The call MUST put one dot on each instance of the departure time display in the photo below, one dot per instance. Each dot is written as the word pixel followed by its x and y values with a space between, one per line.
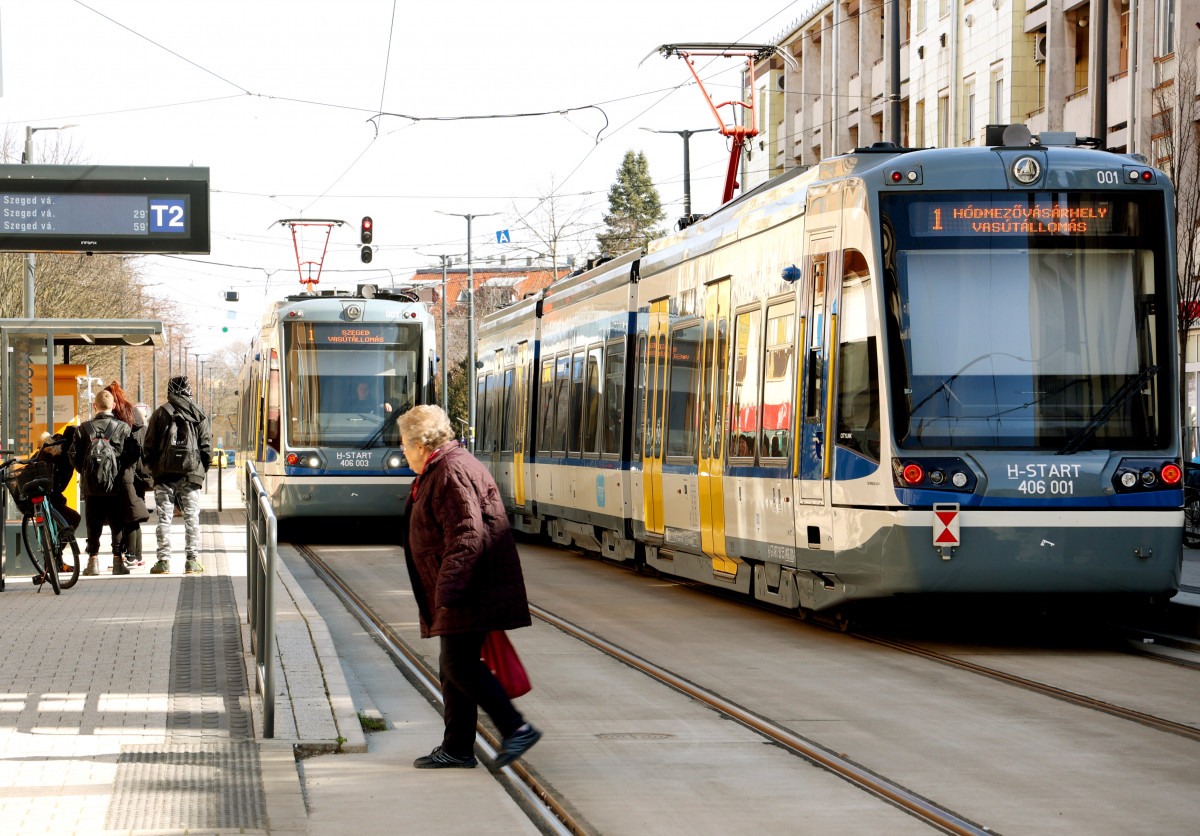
pixel 82 215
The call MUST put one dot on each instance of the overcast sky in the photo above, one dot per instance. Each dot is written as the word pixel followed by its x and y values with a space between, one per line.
pixel 280 99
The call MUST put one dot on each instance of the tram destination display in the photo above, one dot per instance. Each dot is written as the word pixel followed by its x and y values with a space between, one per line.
pixel 1044 215
pixel 107 209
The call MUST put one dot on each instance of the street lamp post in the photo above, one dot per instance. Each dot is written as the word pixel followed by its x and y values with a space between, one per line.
pixel 30 261
pixel 471 406
pixel 687 164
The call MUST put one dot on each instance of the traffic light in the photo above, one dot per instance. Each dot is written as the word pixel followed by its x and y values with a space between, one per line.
pixel 366 255
pixel 367 231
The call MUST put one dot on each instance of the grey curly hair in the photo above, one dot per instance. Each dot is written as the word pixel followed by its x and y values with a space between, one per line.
pixel 426 425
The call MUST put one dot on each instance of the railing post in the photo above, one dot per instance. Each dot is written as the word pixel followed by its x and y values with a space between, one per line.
pixel 262 561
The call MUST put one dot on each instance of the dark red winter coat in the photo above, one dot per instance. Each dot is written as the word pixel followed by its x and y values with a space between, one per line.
pixel 461 556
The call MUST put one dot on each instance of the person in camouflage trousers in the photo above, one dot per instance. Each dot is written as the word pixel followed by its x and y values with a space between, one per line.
pixel 170 489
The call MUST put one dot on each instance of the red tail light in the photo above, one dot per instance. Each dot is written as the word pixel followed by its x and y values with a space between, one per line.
pixel 292 458
pixel 37 500
pixel 1171 474
pixel 913 474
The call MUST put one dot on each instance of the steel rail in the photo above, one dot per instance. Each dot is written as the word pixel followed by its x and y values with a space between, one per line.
pixel 1169 726
pixel 550 815
pixel 917 806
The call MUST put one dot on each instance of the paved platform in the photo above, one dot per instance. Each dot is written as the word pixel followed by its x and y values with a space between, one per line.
pixel 128 705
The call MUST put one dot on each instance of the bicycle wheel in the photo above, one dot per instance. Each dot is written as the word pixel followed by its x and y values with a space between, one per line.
pixel 68 562
pixel 48 568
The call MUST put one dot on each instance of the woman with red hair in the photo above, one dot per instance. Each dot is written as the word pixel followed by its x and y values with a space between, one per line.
pixel 136 477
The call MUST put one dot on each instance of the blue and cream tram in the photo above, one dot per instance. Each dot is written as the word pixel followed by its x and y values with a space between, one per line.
pixel 323 384
pixel 939 371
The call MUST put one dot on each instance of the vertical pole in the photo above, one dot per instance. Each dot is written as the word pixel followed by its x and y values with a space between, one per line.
pixel 1133 143
pixel 687 179
pixel 1101 88
pixel 122 367
pixel 471 405
pixel 30 261
pixel 154 379
pixel 445 357
pixel 893 13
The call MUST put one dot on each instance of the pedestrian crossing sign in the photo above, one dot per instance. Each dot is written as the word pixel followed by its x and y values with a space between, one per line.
pixel 502 236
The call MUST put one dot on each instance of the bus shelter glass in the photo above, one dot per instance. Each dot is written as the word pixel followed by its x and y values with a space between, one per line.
pixel 347 384
pixel 1028 322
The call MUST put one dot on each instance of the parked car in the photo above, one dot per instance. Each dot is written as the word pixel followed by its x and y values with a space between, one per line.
pixel 230 459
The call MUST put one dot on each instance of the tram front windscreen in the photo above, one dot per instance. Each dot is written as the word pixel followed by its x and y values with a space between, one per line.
pixel 348 383
pixel 1035 321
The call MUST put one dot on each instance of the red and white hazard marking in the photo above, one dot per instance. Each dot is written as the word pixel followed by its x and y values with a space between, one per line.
pixel 945 525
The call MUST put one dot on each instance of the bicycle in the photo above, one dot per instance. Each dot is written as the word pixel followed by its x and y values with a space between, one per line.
pixel 44 531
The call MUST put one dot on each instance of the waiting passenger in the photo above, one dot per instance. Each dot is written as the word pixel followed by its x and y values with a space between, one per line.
pixel 101 479
pixel 178 476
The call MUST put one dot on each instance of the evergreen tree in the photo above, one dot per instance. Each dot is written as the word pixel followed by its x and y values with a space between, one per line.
pixel 634 208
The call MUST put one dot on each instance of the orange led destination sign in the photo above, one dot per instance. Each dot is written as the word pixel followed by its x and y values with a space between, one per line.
pixel 1081 217
pixel 353 334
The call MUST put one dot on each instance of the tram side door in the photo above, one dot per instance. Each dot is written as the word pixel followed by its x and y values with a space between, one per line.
pixel 653 409
pixel 520 415
pixel 814 454
pixel 714 367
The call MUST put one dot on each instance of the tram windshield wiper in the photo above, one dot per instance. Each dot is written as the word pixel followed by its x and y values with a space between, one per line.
pixel 390 419
pixel 1105 412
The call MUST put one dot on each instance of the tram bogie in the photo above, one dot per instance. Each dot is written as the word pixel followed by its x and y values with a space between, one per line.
pixel 940 371
pixel 323 384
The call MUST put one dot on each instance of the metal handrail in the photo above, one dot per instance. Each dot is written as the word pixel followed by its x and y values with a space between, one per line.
pixel 262 563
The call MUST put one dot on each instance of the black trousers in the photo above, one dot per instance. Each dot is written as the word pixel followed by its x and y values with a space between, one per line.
pixel 467 686
pixel 100 511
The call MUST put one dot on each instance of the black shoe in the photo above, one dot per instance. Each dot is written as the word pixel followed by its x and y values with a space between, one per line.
pixel 438 759
pixel 515 745
pixel 119 567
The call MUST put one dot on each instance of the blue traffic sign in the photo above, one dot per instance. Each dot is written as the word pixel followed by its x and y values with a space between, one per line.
pixel 502 236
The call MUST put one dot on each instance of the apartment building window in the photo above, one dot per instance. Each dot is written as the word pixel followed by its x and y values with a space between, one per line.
pixel 996 106
pixel 920 124
pixel 920 13
pixel 968 113
pixel 943 8
pixel 1164 33
pixel 943 127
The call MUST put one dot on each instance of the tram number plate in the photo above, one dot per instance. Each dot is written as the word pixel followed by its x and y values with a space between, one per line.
pixel 354 459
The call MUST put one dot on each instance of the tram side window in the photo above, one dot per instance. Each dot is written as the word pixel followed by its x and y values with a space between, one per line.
pixel 614 395
pixel 481 411
pixel 639 398
pixel 591 401
pixel 274 396
pixel 743 428
pixel 858 367
pixel 493 418
pixel 562 380
pixel 576 426
pixel 778 387
pixel 546 407
pixel 509 398
pixel 683 423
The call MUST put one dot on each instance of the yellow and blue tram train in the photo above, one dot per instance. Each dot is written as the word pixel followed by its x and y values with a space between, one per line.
pixel 321 390
pixel 929 371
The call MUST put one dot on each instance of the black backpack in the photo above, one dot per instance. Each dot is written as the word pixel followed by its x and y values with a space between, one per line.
pixel 181 446
pixel 102 465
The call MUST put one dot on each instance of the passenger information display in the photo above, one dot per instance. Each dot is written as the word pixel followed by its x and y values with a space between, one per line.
pixel 110 209
pixel 93 214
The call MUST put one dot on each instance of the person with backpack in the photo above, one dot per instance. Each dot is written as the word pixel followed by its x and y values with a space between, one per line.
pixel 102 449
pixel 178 451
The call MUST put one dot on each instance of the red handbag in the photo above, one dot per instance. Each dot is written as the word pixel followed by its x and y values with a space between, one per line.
pixel 499 655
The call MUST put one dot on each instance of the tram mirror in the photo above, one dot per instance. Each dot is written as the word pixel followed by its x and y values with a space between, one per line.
pixel 231 296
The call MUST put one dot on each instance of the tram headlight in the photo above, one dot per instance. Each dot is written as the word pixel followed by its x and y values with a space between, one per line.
pixel 936 477
pixel 313 461
pixel 1128 478
pixel 913 474
pixel 1149 477
pixel 935 473
pixel 394 461
pixel 959 479
pixel 1146 474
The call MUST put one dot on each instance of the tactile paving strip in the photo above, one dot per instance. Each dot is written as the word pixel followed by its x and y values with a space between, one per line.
pixel 209 696
pixel 198 786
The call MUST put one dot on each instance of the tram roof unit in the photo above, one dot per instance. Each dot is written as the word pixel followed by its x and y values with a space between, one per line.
pixel 514 312
pixel 570 289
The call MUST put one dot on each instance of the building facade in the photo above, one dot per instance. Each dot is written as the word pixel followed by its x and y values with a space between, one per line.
pixel 1110 69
